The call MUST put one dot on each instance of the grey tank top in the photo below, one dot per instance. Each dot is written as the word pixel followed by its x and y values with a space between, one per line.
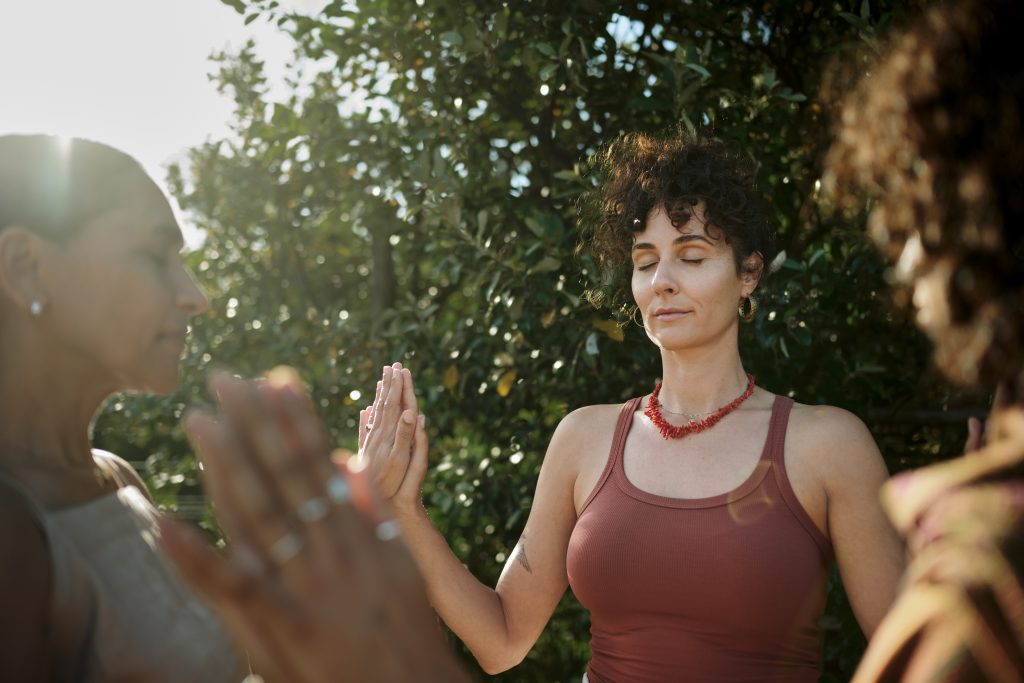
pixel 118 610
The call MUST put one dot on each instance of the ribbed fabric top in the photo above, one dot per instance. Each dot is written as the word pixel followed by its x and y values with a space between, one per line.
pixel 728 588
pixel 118 611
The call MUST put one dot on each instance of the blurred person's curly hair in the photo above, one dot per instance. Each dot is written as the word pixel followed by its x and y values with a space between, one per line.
pixel 637 173
pixel 933 134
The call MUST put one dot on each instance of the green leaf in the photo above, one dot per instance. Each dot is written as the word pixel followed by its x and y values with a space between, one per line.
pixel 791 96
pixel 534 225
pixel 699 69
pixel 546 49
pixel 237 5
pixel 547 71
pixel 547 264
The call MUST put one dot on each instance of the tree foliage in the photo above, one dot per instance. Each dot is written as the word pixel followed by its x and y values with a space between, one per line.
pixel 413 199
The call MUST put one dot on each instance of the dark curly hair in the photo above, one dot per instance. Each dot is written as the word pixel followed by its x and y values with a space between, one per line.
pixel 637 173
pixel 935 136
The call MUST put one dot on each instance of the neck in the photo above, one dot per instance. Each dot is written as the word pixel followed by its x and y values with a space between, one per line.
pixel 701 380
pixel 47 403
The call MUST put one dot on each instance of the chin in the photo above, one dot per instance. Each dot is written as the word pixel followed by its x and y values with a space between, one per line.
pixel 670 342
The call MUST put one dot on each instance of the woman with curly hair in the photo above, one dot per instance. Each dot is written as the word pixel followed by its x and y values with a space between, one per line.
pixel 935 136
pixel 696 523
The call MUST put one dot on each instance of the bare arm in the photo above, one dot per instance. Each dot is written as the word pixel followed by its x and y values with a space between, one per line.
pixel 868 550
pixel 500 625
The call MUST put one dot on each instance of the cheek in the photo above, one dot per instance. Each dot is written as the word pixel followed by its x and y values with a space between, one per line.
pixel 718 287
pixel 634 286
pixel 113 309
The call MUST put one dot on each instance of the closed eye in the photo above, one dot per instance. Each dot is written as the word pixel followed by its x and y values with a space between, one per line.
pixel 646 266
pixel 694 261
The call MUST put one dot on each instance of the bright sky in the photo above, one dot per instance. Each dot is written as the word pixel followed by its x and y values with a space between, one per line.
pixel 130 73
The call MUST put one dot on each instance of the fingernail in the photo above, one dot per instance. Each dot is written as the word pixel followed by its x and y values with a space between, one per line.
pixel 282 376
pixel 408 418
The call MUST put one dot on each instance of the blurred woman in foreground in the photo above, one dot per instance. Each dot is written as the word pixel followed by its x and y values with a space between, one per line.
pixel 935 135
pixel 94 299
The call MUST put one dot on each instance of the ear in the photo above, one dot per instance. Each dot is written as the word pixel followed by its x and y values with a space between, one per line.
pixel 20 267
pixel 751 272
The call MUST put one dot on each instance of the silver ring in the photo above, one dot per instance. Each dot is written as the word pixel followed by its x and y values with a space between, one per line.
pixel 388 530
pixel 369 426
pixel 285 548
pixel 338 489
pixel 313 510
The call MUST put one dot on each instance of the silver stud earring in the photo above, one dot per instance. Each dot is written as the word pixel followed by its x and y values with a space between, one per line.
pixel 36 308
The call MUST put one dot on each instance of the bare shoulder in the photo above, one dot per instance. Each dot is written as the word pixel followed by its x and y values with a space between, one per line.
pixel 585 429
pixel 122 469
pixel 581 445
pixel 582 422
pixel 833 442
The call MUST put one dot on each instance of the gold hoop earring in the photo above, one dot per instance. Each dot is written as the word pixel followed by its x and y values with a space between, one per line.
pixel 752 309
pixel 639 323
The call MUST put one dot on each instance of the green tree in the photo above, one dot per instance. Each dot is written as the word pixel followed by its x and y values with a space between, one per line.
pixel 413 199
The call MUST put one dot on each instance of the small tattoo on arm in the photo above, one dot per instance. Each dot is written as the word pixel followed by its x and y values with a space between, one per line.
pixel 520 551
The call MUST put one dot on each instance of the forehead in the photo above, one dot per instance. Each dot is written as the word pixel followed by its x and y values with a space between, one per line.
pixel 659 226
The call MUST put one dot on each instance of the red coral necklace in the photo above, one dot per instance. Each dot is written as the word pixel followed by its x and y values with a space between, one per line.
pixel 668 431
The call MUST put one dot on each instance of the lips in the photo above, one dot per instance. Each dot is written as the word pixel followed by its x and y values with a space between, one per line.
pixel 669 314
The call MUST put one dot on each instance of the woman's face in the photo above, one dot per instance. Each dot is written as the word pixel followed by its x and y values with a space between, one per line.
pixel 118 296
pixel 685 282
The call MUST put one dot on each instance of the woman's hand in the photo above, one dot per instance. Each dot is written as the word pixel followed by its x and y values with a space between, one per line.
pixel 401 467
pixel 318 586
pixel 386 429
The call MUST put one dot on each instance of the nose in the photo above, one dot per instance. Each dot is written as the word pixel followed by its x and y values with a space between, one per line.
pixel 190 297
pixel 664 281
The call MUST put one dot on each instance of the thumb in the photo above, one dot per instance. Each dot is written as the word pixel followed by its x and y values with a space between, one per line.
pixel 403 438
pixel 418 464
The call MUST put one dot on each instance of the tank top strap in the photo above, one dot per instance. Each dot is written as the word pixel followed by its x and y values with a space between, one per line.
pixel 777 454
pixel 622 425
pixel 776 440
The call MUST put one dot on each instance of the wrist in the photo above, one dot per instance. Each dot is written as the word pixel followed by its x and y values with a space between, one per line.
pixel 409 511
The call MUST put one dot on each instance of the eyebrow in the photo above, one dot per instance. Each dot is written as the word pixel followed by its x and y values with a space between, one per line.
pixel 682 239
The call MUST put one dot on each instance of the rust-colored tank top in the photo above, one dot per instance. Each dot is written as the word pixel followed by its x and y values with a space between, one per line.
pixel 726 588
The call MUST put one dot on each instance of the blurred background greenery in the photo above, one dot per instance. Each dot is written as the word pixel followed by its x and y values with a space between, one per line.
pixel 413 197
